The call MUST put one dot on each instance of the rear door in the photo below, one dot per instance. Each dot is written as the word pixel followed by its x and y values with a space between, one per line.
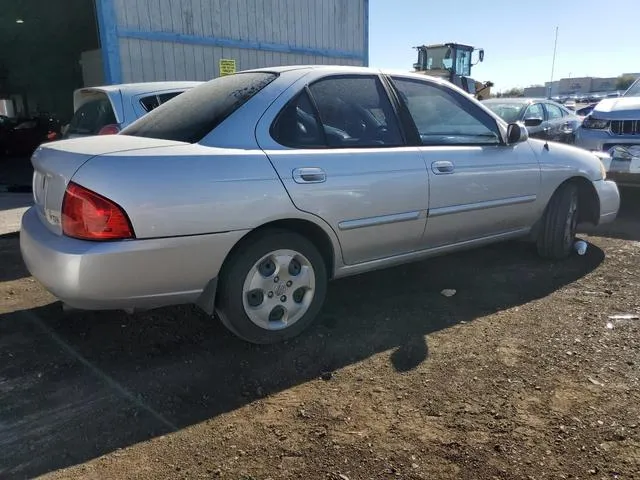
pixel 479 187
pixel 556 122
pixel 337 145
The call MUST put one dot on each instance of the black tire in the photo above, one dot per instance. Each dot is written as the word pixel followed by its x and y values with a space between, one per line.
pixel 559 224
pixel 229 298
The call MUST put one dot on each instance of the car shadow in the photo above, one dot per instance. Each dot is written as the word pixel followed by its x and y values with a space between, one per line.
pixel 12 201
pixel 77 387
pixel 16 172
pixel 11 265
pixel 626 226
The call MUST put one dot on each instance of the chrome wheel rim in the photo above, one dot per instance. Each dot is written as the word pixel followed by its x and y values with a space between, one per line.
pixel 571 221
pixel 278 289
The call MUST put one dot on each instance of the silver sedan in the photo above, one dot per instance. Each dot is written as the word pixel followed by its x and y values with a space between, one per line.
pixel 248 193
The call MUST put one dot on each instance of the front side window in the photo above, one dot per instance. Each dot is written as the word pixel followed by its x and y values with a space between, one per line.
pixel 553 111
pixel 534 111
pixel 634 90
pixel 463 61
pixel 195 113
pixel 444 118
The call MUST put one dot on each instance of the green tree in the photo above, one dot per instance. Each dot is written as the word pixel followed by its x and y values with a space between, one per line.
pixel 624 81
pixel 513 92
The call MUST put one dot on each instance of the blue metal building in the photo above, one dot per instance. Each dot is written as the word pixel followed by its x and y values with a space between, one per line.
pixel 149 40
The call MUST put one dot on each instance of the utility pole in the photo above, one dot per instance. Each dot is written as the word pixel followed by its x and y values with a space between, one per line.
pixel 553 62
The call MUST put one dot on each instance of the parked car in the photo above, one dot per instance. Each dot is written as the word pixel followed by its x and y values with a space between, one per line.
pixel 247 194
pixel 108 109
pixel 21 136
pixel 613 130
pixel 544 119
pixel 6 126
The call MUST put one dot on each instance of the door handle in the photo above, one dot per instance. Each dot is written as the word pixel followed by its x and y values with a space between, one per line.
pixel 442 167
pixel 309 175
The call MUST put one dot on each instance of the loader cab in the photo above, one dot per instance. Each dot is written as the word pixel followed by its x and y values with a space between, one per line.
pixel 446 60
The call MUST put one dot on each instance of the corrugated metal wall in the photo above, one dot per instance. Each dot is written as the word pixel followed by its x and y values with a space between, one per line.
pixel 150 40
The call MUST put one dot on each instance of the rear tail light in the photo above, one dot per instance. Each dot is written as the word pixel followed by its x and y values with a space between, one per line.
pixel 89 216
pixel 109 130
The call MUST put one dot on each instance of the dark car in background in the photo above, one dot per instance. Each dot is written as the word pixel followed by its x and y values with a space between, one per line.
pixel 21 136
pixel 543 118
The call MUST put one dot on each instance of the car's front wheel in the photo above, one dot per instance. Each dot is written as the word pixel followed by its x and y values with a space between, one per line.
pixel 559 223
pixel 272 287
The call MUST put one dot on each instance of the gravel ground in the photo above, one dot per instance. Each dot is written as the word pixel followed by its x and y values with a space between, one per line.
pixel 521 374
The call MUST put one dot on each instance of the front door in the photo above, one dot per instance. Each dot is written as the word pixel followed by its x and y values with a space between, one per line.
pixel 537 111
pixel 479 187
pixel 338 148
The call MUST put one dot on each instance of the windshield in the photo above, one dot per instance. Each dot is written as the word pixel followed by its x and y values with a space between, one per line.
pixel 92 116
pixel 193 114
pixel 509 112
pixel 436 58
pixel 634 90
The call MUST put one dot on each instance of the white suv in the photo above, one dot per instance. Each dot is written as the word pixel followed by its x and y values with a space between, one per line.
pixel 613 130
pixel 108 109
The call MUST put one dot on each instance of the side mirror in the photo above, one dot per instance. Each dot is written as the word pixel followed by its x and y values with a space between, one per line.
pixel 481 55
pixel 516 133
pixel 532 122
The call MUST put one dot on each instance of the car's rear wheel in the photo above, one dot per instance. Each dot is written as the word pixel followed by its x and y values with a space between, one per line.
pixel 559 223
pixel 272 287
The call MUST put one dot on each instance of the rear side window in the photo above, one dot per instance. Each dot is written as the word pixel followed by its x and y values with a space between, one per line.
pixel 193 114
pixel 91 117
pixel 298 126
pixel 356 112
pixel 553 111
pixel 352 112
pixel 152 102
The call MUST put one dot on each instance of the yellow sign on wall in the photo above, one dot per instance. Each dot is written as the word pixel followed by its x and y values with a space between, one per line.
pixel 227 66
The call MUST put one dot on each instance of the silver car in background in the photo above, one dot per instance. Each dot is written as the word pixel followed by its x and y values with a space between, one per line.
pixel 106 110
pixel 247 194
pixel 613 130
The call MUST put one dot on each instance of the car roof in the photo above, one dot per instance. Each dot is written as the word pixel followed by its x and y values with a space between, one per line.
pixel 349 69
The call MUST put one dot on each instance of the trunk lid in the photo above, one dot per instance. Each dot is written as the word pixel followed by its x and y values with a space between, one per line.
pixel 54 165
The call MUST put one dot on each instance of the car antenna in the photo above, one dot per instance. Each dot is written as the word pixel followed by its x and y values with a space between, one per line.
pixel 553 67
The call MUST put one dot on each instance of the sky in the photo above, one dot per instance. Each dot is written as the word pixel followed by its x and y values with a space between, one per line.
pixel 595 38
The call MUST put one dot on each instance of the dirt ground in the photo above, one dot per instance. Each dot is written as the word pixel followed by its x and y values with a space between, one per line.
pixel 520 375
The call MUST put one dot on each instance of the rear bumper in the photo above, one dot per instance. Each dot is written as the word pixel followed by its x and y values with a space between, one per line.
pixel 609 197
pixel 122 275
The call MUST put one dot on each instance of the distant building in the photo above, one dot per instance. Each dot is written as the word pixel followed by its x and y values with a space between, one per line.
pixel 536 91
pixel 582 85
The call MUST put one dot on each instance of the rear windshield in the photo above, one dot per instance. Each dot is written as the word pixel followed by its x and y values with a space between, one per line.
pixel 193 114
pixel 91 117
